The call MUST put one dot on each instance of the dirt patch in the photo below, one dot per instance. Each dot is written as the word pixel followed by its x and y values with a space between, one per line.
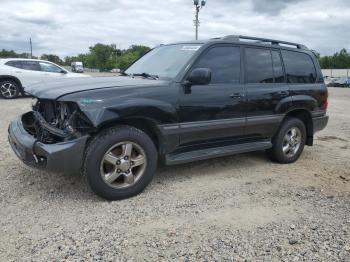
pixel 330 138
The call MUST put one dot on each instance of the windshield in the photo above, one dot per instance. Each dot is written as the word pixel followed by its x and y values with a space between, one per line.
pixel 164 61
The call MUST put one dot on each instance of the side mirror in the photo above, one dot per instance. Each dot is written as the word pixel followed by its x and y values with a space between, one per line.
pixel 199 76
pixel 63 71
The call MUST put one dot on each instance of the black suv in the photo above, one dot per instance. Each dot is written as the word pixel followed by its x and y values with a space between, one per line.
pixel 178 103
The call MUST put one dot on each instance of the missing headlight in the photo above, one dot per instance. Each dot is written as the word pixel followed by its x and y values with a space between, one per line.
pixel 59 121
pixel 34 103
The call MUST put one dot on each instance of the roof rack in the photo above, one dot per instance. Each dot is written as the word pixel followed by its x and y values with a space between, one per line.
pixel 263 40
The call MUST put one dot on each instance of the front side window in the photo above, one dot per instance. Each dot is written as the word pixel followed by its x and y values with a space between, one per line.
pixel 258 65
pixel 30 65
pixel 164 61
pixel 47 67
pixel 299 67
pixel 224 63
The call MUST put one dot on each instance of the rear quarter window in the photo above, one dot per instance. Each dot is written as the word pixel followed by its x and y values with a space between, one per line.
pixel 300 68
pixel 16 64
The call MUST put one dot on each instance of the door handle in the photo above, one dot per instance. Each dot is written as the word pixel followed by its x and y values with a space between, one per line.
pixel 236 95
pixel 18 71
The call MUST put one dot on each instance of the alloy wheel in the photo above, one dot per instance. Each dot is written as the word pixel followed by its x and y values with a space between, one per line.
pixel 123 164
pixel 8 90
pixel 291 142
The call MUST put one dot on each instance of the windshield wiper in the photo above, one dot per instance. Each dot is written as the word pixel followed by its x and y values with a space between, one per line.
pixel 147 75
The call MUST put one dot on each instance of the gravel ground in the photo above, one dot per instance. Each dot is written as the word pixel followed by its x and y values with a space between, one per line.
pixel 237 208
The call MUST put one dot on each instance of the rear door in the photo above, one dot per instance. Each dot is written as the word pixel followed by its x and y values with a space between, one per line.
pixel 267 91
pixel 214 111
pixel 305 81
pixel 29 72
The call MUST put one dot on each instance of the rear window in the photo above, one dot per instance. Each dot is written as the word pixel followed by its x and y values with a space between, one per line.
pixel 258 65
pixel 30 65
pixel 299 67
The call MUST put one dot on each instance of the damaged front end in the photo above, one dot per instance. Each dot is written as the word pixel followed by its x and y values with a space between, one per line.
pixel 53 136
pixel 53 121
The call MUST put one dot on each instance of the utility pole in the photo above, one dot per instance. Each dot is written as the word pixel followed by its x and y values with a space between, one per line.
pixel 196 20
pixel 31 49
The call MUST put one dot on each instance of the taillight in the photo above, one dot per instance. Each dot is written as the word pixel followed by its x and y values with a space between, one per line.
pixel 326 102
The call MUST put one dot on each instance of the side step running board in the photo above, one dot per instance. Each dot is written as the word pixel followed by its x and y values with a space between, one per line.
pixel 180 158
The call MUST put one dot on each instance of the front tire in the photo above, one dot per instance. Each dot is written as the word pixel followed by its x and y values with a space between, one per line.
pixel 288 144
pixel 9 89
pixel 120 162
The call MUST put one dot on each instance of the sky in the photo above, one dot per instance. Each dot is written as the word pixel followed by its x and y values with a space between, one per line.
pixel 69 27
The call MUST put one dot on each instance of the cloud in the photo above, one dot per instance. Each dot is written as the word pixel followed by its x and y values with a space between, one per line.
pixel 271 7
pixel 70 27
pixel 40 21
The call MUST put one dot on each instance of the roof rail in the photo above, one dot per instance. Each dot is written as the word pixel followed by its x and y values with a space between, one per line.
pixel 263 40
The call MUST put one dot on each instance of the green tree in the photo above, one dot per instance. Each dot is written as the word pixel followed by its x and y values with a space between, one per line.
pixel 12 54
pixel 102 56
pixel 339 60
pixel 52 58
pixel 131 54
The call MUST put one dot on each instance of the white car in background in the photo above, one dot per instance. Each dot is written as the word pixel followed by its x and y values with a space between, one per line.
pixel 18 73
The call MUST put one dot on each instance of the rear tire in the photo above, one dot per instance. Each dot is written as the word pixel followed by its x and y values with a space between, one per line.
pixel 9 89
pixel 120 162
pixel 288 144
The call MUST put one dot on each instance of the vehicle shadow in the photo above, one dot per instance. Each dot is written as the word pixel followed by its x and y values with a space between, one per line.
pixel 17 98
pixel 75 187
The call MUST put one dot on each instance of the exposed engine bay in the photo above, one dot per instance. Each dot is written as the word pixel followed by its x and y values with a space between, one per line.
pixel 53 121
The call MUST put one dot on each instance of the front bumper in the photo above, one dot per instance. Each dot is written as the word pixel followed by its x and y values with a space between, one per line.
pixel 63 157
pixel 319 123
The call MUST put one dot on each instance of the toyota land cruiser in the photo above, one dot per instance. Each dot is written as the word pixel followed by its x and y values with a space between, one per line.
pixel 178 103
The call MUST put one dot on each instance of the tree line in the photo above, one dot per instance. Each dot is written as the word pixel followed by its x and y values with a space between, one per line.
pixel 340 60
pixel 106 57
pixel 100 56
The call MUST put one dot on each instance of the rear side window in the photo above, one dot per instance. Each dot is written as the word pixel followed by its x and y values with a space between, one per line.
pixel 30 65
pixel 224 62
pixel 258 65
pixel 14 63
pixel 277 67
pixel 300 68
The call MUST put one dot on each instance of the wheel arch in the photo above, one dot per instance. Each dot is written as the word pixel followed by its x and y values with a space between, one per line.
pixel 146 125
pixel 13 78
pixel 305 116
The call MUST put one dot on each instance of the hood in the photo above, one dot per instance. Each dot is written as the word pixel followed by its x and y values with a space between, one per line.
pixel 58 88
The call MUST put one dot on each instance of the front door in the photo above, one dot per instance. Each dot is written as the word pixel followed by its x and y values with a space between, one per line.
pixel 214 111
pixel 50 71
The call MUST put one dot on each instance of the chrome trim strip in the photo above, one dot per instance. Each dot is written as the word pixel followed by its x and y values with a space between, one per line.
pixel 178 128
